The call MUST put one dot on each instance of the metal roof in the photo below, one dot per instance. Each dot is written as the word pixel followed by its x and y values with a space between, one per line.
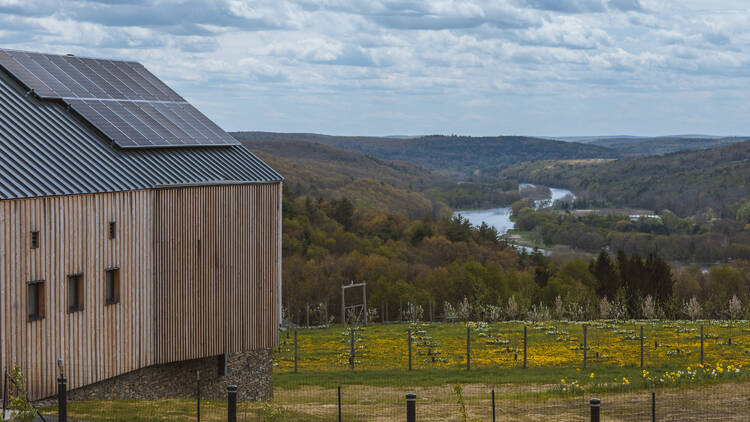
pixel 46 150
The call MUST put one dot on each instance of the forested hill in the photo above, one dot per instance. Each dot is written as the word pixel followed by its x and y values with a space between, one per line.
pixel 456 156
pixel 321 171
pixel 687 183
pixel 661 145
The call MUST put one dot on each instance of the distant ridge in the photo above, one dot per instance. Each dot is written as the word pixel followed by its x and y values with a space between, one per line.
pixel 461 157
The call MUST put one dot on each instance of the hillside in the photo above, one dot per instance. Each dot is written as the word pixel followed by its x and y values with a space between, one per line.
pixel 460 157
pixel 661 145
pixel 330 173
pixel 686 183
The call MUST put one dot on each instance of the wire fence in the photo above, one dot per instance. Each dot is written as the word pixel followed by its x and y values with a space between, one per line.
pixel 508 371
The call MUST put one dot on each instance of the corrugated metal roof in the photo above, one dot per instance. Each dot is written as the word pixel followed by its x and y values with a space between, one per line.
pixel 45 150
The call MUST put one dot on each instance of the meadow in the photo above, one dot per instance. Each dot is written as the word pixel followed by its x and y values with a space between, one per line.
pixel 555 385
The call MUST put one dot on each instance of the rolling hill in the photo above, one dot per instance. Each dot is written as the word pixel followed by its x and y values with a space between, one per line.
pixel 661 145
pixel 713 181
pixel 460 157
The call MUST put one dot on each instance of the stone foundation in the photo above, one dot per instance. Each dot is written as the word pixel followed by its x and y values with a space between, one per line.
pixel 250 371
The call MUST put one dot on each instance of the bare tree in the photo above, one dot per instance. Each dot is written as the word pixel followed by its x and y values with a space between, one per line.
pixel 605 308
pixel 464 309
pixel 735 308
pixel 648 307
pixel 559 308
pixel 512 309
pixel 692 308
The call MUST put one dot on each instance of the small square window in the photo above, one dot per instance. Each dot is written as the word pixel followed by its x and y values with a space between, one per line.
pixel 35 300
pixel 112 286
pixel 112 229
pixel 35 239
pixel 75 293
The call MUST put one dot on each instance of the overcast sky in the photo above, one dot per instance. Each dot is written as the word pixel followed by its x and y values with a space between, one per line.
pixel 403 67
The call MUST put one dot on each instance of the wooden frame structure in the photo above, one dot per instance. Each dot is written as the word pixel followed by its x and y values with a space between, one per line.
pixel 359 311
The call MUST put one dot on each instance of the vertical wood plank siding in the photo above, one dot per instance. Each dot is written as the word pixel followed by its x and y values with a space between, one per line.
pixel 217 271
pixel 177 300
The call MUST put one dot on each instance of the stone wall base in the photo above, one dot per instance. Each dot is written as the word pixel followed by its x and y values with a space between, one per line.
pixel 250 371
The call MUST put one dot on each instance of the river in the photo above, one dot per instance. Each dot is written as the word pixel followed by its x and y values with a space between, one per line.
pixel 499 218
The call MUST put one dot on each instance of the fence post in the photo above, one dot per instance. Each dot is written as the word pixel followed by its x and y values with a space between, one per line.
pixel 198 396
pixel 382 311
pixel 524 347
pixel 296 351
pixel 5 392
pixel 641 346
pixel 701 344
pixel 585 345
pixel 307 315
pixel 468 348
pixel 351 347
pixel 653 406
pixel 339 401
pixel 232 403
pixel 399 311
pixel 386 312
pixel 62 399
pixel 411 407
pixel 493 403
pixel 595 409
pixel 408 339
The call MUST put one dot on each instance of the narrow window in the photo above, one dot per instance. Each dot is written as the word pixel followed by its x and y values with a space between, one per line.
pixel 36 300
pixel 112 229
pixel 112 286
pixel 75 293
pixel 35 239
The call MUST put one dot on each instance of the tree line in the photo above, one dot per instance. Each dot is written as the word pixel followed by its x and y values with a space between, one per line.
pixel 449 263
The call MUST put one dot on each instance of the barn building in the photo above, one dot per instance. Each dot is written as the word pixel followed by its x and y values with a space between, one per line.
pixel 140 243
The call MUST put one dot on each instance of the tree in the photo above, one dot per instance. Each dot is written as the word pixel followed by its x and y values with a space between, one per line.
pixel 605 274
pixel 344 212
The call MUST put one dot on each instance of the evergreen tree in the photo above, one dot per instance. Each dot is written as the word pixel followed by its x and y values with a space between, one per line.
pixel 605 273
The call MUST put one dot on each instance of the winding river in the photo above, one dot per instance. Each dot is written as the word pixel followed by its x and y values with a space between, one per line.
pixel 499 218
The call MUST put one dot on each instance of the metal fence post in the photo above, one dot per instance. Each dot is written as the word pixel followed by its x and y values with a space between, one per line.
pixel 351 347
pixel 653 406
pixel 296 351
pixel 701 344
pixel 198 396
pixel 232 403
pixel 411 407
pixel 641 346
pixel 468 348
pixel 595 409
pixel 5 392
pixel 408 339
pixel 62 399
pixel 585 345
pixel 524 347
pixel 493 403
pixel 339 401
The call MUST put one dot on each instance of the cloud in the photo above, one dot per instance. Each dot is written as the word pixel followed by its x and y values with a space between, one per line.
pixel 427 57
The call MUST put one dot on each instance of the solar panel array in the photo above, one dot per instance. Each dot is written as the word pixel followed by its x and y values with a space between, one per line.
pixel 123 100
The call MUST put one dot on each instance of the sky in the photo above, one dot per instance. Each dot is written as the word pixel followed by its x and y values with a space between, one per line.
pixel 411 67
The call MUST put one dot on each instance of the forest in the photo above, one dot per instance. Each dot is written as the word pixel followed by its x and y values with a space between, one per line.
pixel 450 263
pixel 460 157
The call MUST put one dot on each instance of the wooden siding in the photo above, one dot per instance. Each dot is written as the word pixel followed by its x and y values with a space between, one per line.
pixel 176 301
pixel 217 278
pixel 100 341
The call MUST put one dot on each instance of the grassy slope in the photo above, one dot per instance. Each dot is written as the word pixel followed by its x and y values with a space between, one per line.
pixel 457 156
pixel 685 182
pixel 328 172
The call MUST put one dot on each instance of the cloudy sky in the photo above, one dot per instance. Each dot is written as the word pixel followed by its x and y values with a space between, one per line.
pixel 403 67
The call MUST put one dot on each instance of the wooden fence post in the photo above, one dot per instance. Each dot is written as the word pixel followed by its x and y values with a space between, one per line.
pixel 641 346
pixel 701 344
pixel 408 338
pixel 468 348
pixel 296 356
pixel 585 345
pixel 524 346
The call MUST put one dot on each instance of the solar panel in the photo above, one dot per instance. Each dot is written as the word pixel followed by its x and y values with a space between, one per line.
pixel 123 100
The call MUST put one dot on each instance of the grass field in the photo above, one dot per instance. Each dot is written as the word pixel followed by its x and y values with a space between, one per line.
pixel 555 386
